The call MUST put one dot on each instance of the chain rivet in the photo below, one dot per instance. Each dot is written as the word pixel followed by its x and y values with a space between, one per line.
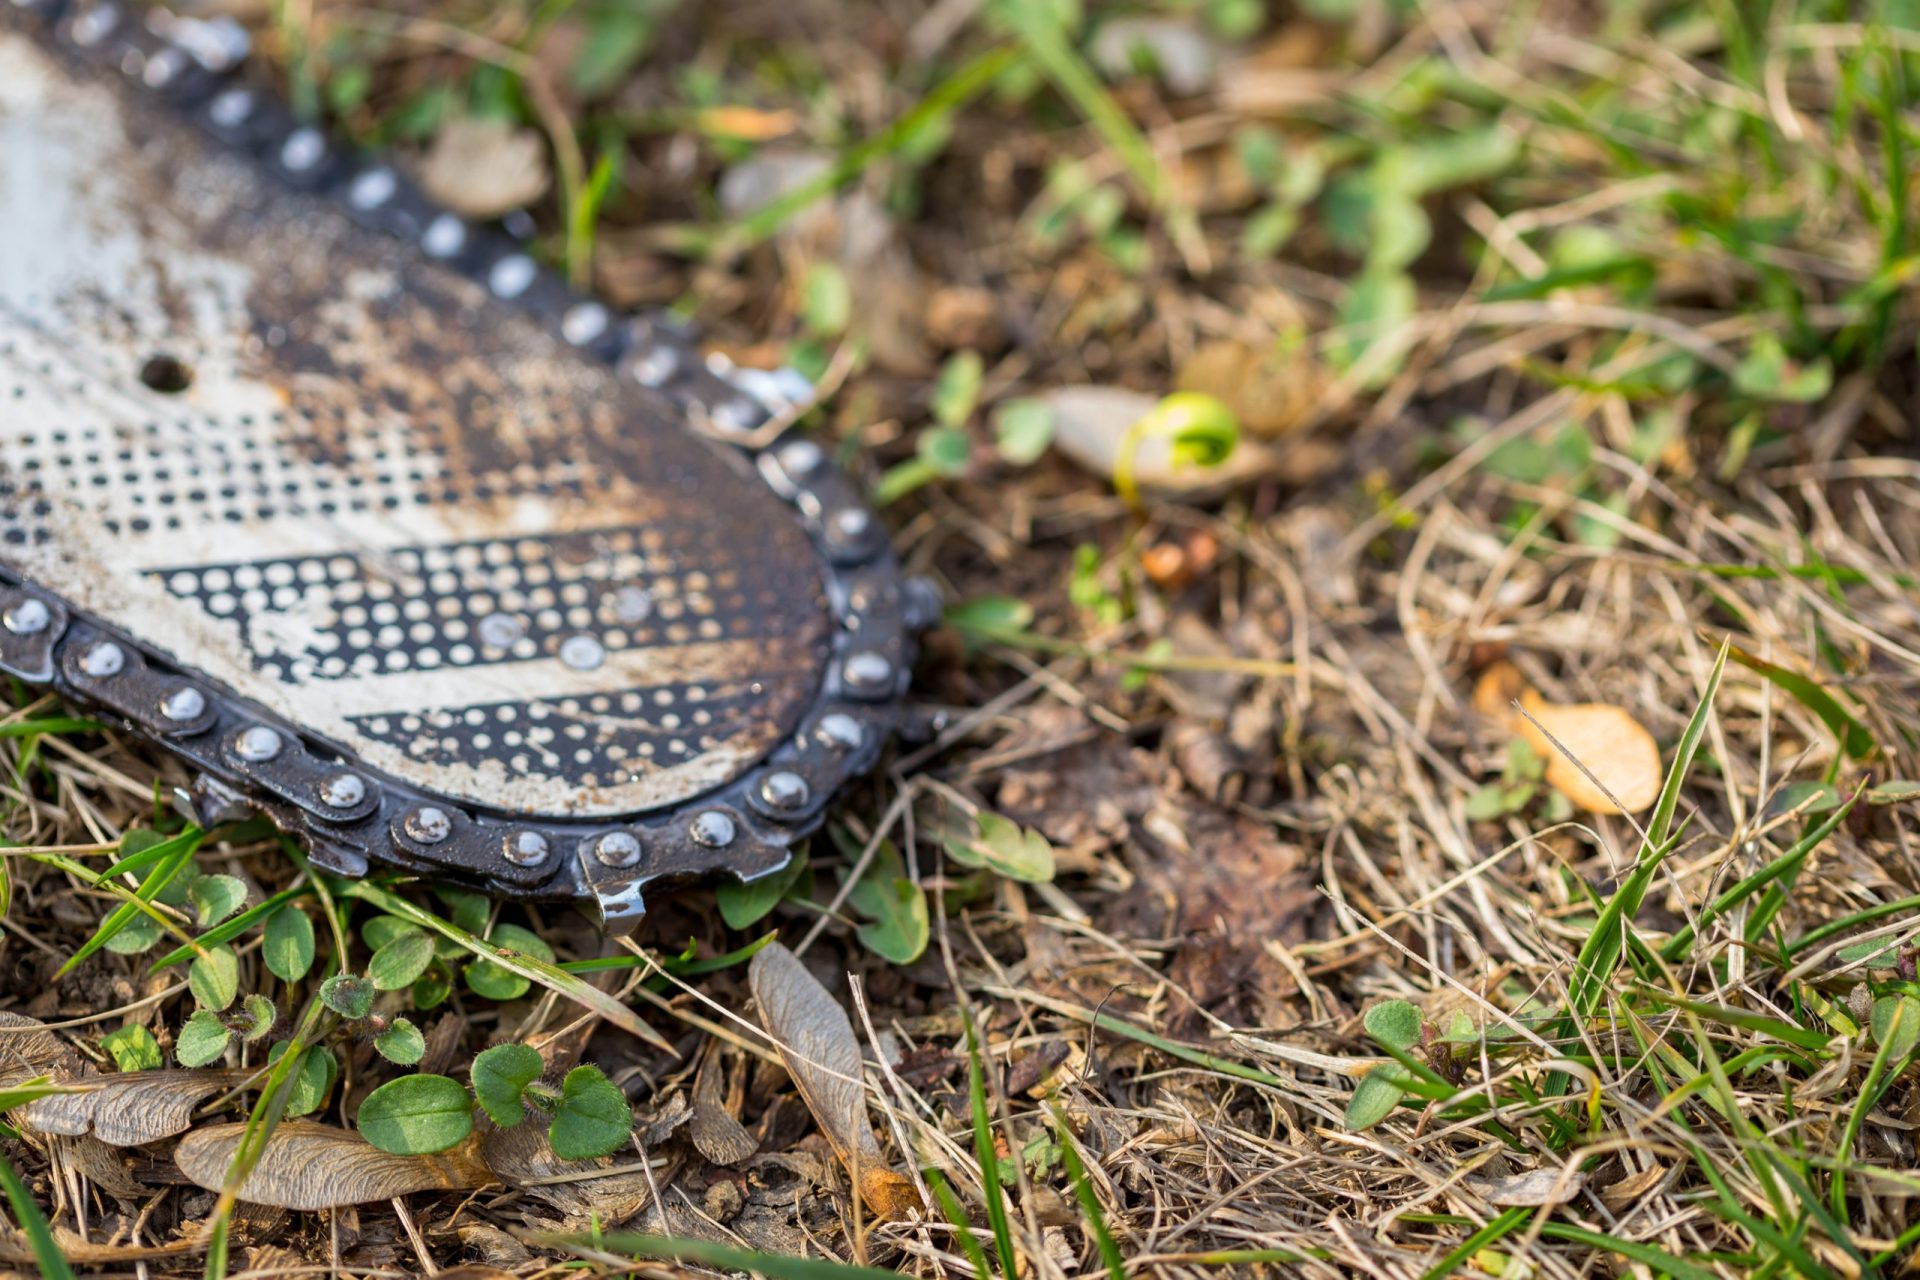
pixel 231 109
pixel 372 189
pixel 257 743
pixel 445 237
pixel 617 849
pixel 512 275
pixel 95 25
pixel 343 790
pixel 428 825
pixel 713 829
pixel 103 659
pixel 736 413
pixel 163 68
pixel 656 368
pixel 525 848
pixel 584 323
pixel 850 524
pixel 840 730
pixel 303 150
pixel 184 704
pixel 785 790
pixel 29 617
pixel 801 457
pixel 868 672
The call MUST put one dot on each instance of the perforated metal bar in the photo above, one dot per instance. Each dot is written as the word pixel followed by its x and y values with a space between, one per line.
pixel 381 528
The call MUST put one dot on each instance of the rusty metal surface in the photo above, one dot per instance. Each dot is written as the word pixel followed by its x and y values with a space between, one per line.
pixel 398 503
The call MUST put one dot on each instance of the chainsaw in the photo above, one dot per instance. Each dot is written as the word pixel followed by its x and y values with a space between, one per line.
pixel 379 527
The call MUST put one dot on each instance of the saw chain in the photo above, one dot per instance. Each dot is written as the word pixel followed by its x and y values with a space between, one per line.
pixel 382 529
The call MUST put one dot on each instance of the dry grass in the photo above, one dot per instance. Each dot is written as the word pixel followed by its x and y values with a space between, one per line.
pixel 1245 724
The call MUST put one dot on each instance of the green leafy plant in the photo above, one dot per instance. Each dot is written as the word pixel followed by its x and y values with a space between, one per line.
pixel 348 994
pixel 287 948
pixel 133 1048
pixel 214 977
pixel 202 1039
pixel 416 1115
pixel 1022 429
pixel 1394 1024
pixel 207 1032
pixel 1522 781
pixel 945 450
pixel 1005 847
pixel 898 925
pixel 401 961
pixel 494 980
pixel 313 1077
pixel 587 1114
pixel 743 903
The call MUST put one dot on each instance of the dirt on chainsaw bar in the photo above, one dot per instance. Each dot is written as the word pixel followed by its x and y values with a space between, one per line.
pixel 1471 835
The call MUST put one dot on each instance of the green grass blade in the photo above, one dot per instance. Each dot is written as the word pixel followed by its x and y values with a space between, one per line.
pixel 1503 1225
pixel 1600 954
pixel 724 1257
pixel 261 1122
pixel 1096 1218
pixel 1835 927
pixel 1852 735
pixel 672 964
pixel 965 84
pixel 228 930
pixel 1045 40
pixel 1659 1261
pixel 985 1152
pixel 1251 1257
pixel 46 1250
pixel 50 724
pixel 1742 1018
pixel 19 1095
pixel 135 863
pixel 539 972
pixel 1678 945
pixel 962 1228
pixel 1598 957
pixel 179 857
pixel 1870 1092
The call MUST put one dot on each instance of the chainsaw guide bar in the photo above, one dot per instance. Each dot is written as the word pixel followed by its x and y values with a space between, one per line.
pixel 380 528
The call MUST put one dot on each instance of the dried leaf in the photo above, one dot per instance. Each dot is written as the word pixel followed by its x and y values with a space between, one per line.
pixel 482 168
pixel 28 1049
pixel 308 1166
pixel 99 1164
pixel 129 1109
pixel 719 1136
pixel 1610 743
pixel 816 1042
pixel 1271 392
pixel 1630 1189
pixel 610 1190
pixel 1497 689
pixel 1530 1190
pixel 1613 746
